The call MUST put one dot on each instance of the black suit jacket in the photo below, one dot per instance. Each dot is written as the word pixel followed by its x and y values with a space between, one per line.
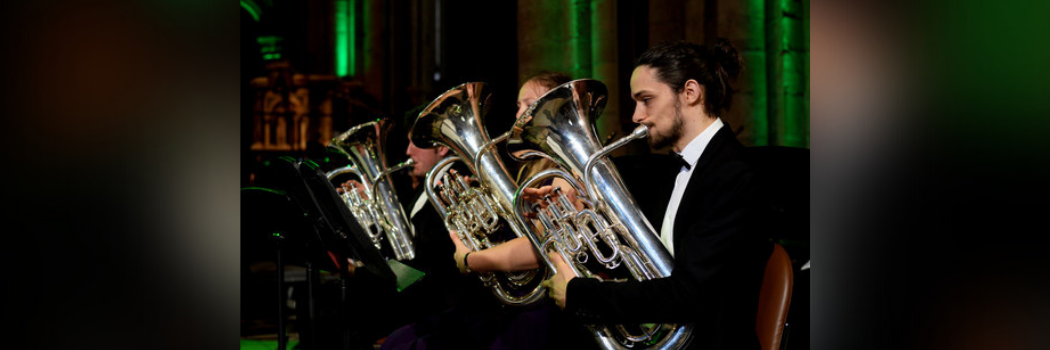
pixel 443 287
pixel 719 260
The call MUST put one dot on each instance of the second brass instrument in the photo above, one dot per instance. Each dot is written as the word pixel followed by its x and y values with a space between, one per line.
pixel 477 212
pixel 379 211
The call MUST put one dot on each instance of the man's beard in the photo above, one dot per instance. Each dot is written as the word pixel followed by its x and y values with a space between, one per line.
pixel 660 141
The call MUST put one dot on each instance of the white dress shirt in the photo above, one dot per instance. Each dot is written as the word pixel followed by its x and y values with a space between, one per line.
pixel 420 202
pixel 691 153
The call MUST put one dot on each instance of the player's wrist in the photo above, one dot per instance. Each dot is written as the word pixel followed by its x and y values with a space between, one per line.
pixel 466 265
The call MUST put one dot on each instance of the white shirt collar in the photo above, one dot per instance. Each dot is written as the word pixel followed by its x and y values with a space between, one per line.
pixel 691 153
pixel 420 202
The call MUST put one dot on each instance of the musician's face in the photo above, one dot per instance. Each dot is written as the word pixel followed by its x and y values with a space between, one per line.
pixel 528 94
pixel 657 107
pixel 425 158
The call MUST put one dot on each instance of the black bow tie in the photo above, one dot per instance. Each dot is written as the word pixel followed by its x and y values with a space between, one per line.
pixel 679 161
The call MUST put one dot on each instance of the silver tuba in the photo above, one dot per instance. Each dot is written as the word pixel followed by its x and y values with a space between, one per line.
pixel 610 237
pixel 379 212
pixel 474 211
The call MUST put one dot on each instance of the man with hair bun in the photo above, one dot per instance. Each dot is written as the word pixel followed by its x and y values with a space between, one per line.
pixel 710 225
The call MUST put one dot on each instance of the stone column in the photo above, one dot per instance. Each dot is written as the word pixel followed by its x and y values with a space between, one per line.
pixel 541 38
pixel 605 66
pixel 695 21
pixel 666 21
pixel 786 74
pixel 373 51
pixel 582 43
pixel 796 73
pixel 742 22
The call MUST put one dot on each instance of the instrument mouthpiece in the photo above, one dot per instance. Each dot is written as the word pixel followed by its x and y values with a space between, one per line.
pixel 640 132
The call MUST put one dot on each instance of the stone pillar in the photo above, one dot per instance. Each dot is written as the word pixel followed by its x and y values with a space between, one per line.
pixel 796 73
pixel 774 31
pixel 541 38
pixel 581 43
pixel 666 21
pixel 787 74
pixel 320 38
pixel 679 20
pixel 742 22
pixel 605 66
pixel 578 43
pixel 374 52
pixel 422 54
pixel 695 21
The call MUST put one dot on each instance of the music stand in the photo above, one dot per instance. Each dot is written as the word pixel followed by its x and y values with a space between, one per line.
pixel 275 220
pixel 338 232
pixel 335 226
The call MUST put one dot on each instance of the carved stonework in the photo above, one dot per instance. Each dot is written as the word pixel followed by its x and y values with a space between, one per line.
pixel 292 110
pixel 283 111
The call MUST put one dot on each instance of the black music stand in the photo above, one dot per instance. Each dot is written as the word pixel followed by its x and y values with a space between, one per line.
pixel 325 227
pixel 335 227
pixel 336 231
pixel 272 219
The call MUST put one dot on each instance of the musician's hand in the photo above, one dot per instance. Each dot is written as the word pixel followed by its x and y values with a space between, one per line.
pixel 537 194
pixel 569 192
pixel 557 285
pixel 356 185
pixel 461 250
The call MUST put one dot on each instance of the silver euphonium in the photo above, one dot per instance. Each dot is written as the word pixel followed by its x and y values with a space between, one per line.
pixel 474 210
pixel 609 235
pixel 379 211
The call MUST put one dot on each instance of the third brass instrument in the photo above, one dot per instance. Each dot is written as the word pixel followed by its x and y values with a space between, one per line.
pixel 610 235
pixel 454 120
pixel 379 211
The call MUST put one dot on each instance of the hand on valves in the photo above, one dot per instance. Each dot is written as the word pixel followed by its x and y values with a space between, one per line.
pixel 356 185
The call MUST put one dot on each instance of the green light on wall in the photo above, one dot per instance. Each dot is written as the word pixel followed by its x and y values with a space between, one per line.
pixel 345 38
pixel 784 118
pixel 580 36
pixel 793 123
pixel 795 129
pixel 252 9
pixel 270 47
pixel 342 57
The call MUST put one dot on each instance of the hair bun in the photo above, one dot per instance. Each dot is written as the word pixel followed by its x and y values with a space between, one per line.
pixel 727 56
